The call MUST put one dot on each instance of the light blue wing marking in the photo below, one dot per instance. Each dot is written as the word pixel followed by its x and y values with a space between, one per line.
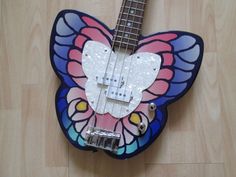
pixel 190 55
pixel 176 89
pixel 65 40
pixel 74 21
pixel 72 133
pixel 62 29
pixel 183 42
pixel 180 64
pixel 181 76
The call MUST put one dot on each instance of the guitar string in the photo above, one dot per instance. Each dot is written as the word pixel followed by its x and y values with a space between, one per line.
pixel 140 27
pixel 127 19
pixel 113 44
pixel 131 59
pixel 109 58
pixel 119 19
pixel 126 49
pixel 119 49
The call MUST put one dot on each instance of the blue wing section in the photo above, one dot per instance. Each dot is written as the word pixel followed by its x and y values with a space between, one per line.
pixel 188 53
pixel 66 27
pixel 68 125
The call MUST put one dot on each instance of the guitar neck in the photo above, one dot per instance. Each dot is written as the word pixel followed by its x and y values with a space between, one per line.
pixel 129 24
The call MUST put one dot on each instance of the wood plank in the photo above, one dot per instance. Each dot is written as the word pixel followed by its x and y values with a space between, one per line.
pixel 185 170
pixel 194 129
pixel 10 141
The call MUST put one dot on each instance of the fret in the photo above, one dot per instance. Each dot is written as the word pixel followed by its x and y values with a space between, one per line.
pixel 124 27
pixel 126 39
pixel 129 22
pixel 127 34
pixel 140 2
pixel 133 9
pixel 130 7
pixel 132 32
pixel 137 4
pixel 125 45
pixel 133 15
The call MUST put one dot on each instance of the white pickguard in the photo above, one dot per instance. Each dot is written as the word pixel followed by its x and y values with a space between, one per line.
pixel 132 74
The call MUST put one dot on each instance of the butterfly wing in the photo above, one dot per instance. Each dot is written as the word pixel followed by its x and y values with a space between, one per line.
pixel 71 30
pixel 181 54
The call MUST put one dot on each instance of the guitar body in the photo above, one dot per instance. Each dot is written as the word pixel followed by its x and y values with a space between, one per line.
pixel 161 70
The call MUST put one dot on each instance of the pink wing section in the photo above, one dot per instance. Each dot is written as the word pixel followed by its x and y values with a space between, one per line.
pixel 160 37
pixel 160 45
pixel 75 54
pixel 168 59
pixel 75 69
pixel 92 23
pixel 155 47
pixel 80 40
pixel 95 35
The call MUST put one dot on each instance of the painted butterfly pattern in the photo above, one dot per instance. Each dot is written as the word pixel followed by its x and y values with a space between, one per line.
pixel 181 55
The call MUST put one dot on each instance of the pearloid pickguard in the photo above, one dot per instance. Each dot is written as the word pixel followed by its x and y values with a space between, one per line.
pixel 139 71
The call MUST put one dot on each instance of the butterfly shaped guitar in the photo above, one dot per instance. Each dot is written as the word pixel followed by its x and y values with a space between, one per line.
pixel 116 84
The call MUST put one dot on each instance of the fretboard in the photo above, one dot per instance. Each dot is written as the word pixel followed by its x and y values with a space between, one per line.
pixel 129 24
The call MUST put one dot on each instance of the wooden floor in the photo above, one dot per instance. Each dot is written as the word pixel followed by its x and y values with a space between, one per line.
pixel 200 137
